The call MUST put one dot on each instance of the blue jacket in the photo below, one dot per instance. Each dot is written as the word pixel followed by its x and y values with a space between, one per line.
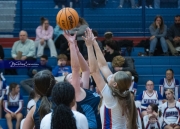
pixel 59 70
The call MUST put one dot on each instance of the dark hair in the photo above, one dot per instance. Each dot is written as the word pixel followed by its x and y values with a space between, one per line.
pixel 170 70
pixel 32 95
pixel 161 25
pixel 154 107
pixel 82 21
pixel 45 57
pixel 63 95
pixel 43 84
pixel 42 20
pixel 11 87
pixel 177 15
pixel 112 44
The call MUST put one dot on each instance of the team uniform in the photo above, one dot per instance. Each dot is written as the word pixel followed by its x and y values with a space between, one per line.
pixel 170 114
pixel 174 85
pixel 138 107
pixel 2 89
pixel 13 104
pixel 89 107
pixel 149 125
pixel 133 88
pixel 110 110
pixel 145 99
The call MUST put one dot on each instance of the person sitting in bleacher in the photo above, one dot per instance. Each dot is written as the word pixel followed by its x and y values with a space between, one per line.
pixel 170 111
pixel 62 69
pixel 173 36
pixel 28 83
pixel 151 120
pixel 169 82
pixel 43 84
pixel 13 104
pixel 24 49
pixel 44 35
pixel 120 63
pixel 158 32
pixel 149 96
pixel 111 50
pixel 122 2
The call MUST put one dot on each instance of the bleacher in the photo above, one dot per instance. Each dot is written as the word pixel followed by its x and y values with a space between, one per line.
pixel 122 22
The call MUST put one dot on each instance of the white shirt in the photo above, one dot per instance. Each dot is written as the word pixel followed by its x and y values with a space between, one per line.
pixel 110 111
pixel 81 121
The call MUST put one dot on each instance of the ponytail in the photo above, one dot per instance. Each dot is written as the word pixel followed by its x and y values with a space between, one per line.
pixel 45 107
pixel 63 118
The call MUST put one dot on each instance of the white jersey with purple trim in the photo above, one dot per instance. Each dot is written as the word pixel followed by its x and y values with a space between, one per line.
pixel 147 99
pixel 13 104
pixel 2 89
pixel 170 114
pixel 149 125
pixel 164 85
pixel 110 110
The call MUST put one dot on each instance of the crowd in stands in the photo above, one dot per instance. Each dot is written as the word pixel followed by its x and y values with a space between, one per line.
pixel 95 3
pixel 75 92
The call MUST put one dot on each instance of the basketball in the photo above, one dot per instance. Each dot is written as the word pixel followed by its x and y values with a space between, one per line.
pixel 67 18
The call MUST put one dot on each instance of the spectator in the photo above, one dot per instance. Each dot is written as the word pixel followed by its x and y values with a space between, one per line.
pixel 133 87
pixel 24 49
pixel 158 32
pixel 149 96
pixel 28 83
pixel 111 50
pixel 44 34
pixel 151 120
pixel 173 36
pixel 170 111
pixel 62 117
pixel 43 84
pixel 62 69
pixel 149 3
pixel 13 104
pixel 80 28
pixel 61 42
pixel 120 63
pixel 61 3
pixel 122 2
pixel 169 82
pixel 1 53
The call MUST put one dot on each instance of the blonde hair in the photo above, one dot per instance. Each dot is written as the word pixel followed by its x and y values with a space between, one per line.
pixel 118 61
pixel 170 90
pixel 63 56
pixel 125 99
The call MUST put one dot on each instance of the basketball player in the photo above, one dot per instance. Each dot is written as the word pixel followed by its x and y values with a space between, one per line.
pixel 149 96
pixel 170 111
pixel 13 104
pixel 169 82
pixel 86 100
pixel 118 110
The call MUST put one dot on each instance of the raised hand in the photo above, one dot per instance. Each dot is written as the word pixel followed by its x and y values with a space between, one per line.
pixel 70 39
pixel 89 37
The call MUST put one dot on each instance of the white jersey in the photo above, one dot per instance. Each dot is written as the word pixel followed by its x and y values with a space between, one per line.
pixel 133 88
pixel 170 114
pixel 149 125
pixel 81 121
pixel 164 85
pixel 147 99
pixel 138 107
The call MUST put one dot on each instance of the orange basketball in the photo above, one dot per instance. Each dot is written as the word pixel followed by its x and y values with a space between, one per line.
pixel 67 18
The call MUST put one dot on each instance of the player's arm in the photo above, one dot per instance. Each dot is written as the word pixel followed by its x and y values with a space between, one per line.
pixel 74 62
